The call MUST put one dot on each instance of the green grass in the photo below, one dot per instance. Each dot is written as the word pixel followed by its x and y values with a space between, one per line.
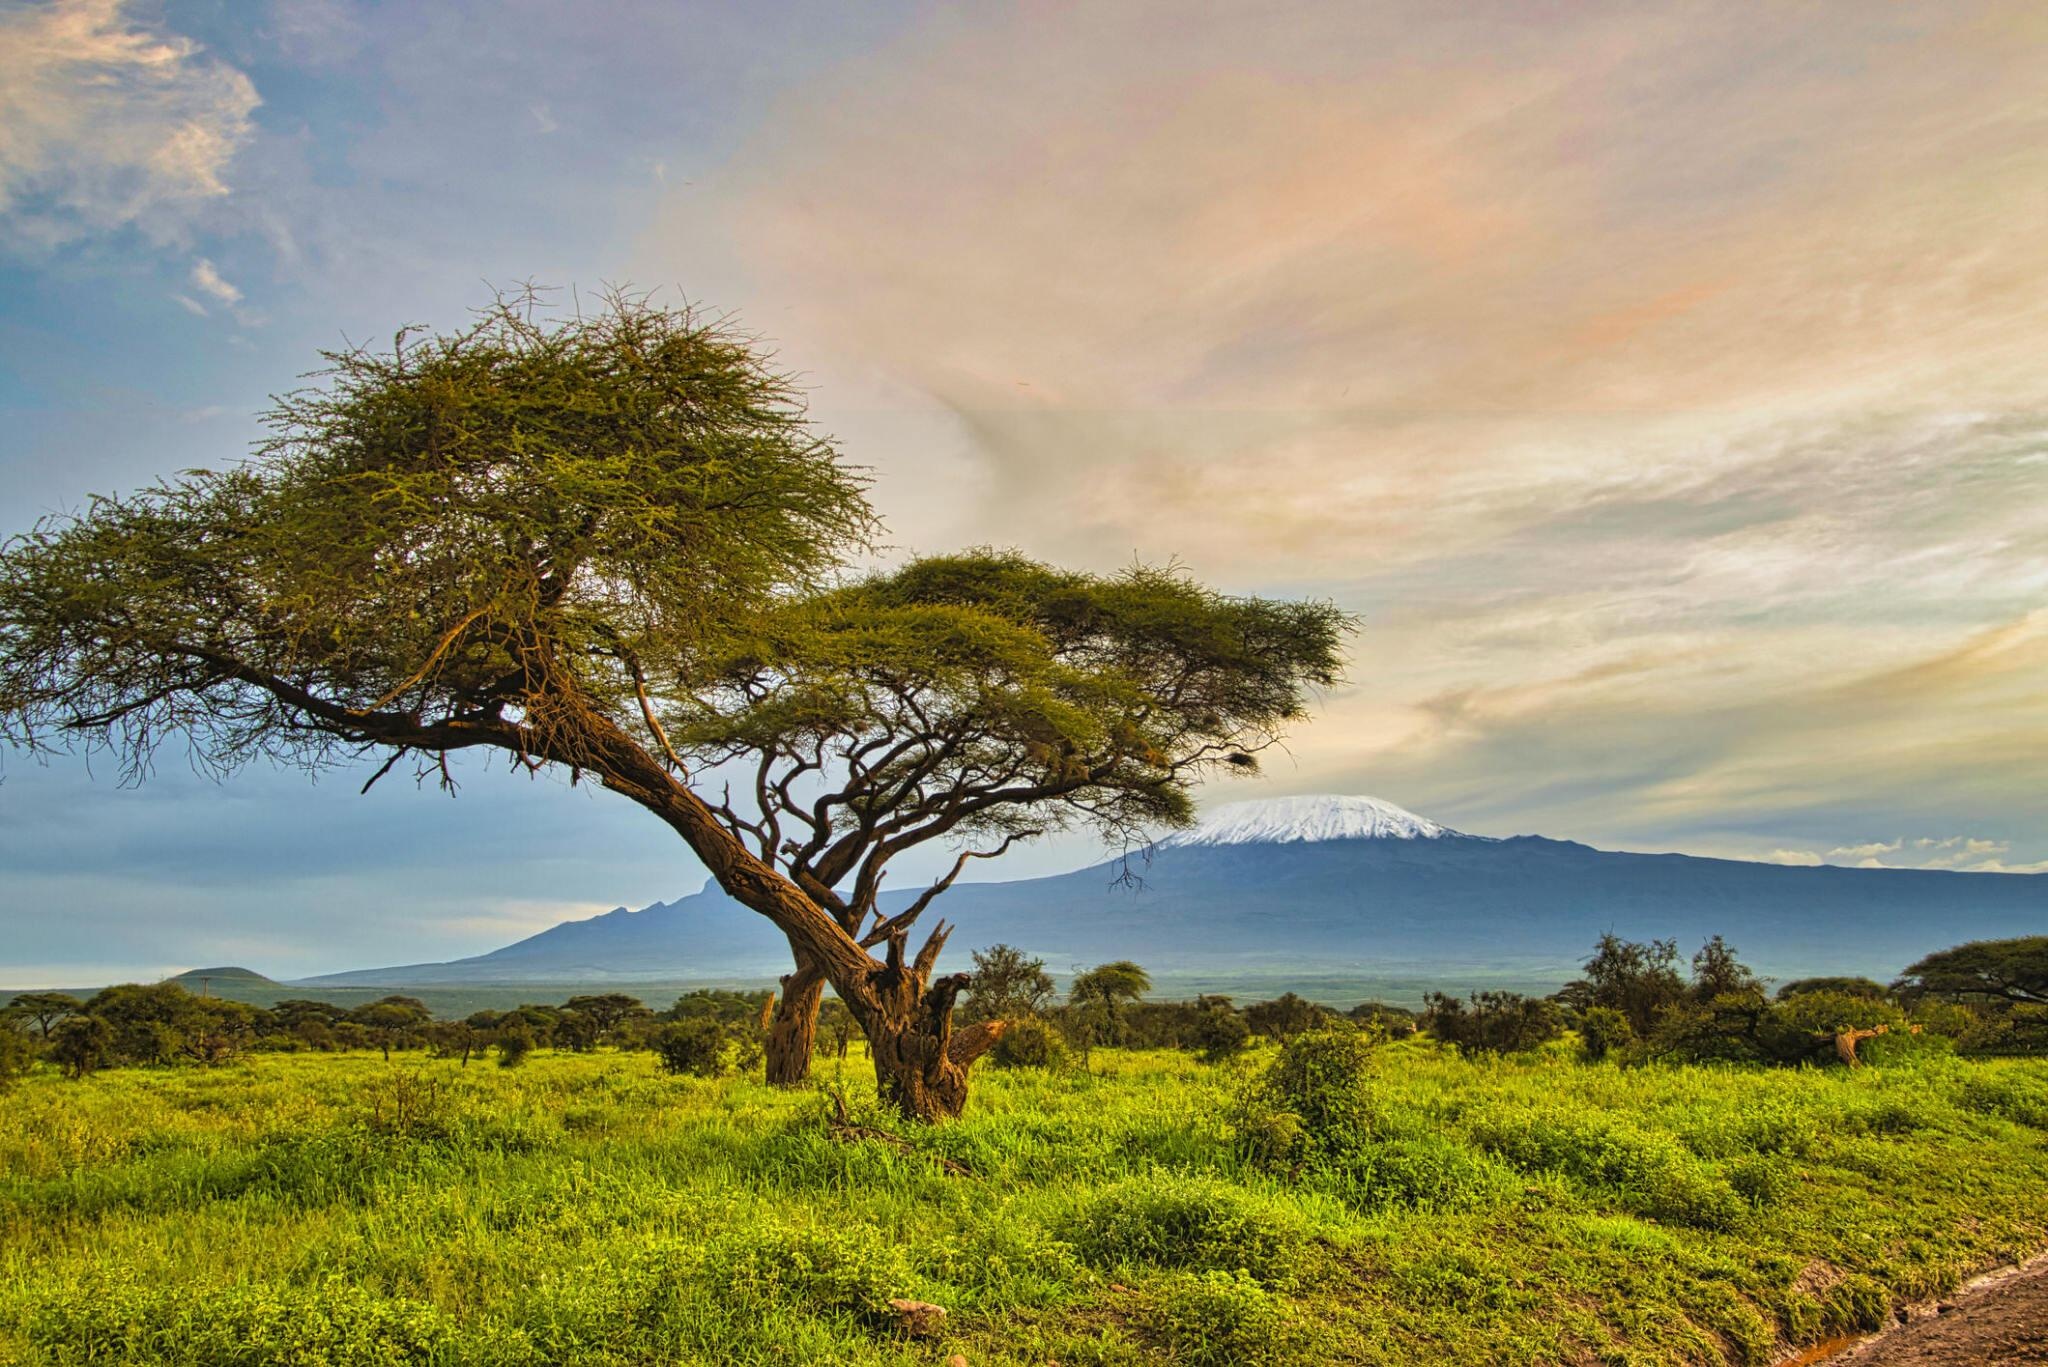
pixel 328 1211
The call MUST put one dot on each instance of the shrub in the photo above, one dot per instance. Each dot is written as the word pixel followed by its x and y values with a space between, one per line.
pixel 1494 1023
pixel 81 1044
pixel 1761 1179
pixel 1188 1223
pixel 1430 1173
pixel 1804 1027
pixel 1320 1077
pixel 1646 1174
pixel 1727 1029
pixel 17 1054
pixel 695 1047
pixel 1286 1016
pixel 514 1044
pixel 1223 1319
pixel 850 1269
pixel 1029 1043
pixel 1602 1030
pixel 1220 1033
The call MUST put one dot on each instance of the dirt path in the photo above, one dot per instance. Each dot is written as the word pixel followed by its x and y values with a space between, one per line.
pixel 1999 1318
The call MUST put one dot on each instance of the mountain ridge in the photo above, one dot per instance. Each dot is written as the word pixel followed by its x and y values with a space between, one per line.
pixel 1332 882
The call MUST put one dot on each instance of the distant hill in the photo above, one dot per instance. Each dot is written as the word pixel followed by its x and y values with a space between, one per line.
pixel 1336 889
pixel 193 979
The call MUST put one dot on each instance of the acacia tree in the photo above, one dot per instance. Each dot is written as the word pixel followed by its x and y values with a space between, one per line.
pixel 980 699
pixel 2010 972
pixel 538 539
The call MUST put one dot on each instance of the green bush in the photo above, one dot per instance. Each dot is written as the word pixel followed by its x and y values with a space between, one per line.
pixel 335 1324
pixel 1805 1026
pixel 1223 1319
pixel 1321 1079
pixel 694 1047
pixel 1493 1022
pixel 17 1054
pixel 1602 1031
pixel 1220 1033
pixel 1762 1179
pixel 1188 1223
pixel 848 1269
pixel 1642 1172
pixel 1430 1173
pixel 1030 1042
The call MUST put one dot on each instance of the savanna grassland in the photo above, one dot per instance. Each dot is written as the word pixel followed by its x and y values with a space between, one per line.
pixel 584 1208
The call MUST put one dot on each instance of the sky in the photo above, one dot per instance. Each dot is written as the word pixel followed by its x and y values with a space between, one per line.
pixel 1662 384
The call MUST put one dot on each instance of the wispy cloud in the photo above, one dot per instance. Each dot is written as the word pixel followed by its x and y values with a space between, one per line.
pixel 107 123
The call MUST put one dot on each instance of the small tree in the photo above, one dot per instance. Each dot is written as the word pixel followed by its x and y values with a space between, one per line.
pixel 1603 1031
pixel 44 1008
pixel 606 1012
pixel 1007 984
pixel 696 1047
pixel 1105 989
pixel 1639 980
pixel 515 1042
pixel 393 1022
pixel 1286 1016
pixel 1493 1023
pixel 17 1054
pixel 1220 1033
pixel 81 1044
pixel 1716 972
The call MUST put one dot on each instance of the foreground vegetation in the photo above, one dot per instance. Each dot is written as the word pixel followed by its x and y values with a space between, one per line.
pixel 1338 1202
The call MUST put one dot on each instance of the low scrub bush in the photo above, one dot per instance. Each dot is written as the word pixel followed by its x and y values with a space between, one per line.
pixel 1430 1173
pixel 1603 1031
pixel 694 1048
pixel 849 1270
pixel 1223 1319
pixel 1189 1223
pixel 1643 1172
pixel 1029 1043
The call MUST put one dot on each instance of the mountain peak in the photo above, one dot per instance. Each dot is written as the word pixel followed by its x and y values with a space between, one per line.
pixel 1322 816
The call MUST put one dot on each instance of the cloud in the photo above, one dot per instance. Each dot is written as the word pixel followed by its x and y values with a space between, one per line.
pixel 208 280
pixel 1661 388
pixel 1802 858
pixel 105 124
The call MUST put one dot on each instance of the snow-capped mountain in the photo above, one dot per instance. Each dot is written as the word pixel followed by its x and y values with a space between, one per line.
pixel 1280 890
pixel 1322 816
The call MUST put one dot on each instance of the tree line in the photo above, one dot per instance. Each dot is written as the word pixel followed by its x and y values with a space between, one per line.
pixel 1635 1003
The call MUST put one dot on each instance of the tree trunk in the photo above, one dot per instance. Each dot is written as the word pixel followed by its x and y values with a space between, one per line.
pixel 793 1030
pixel 920 1064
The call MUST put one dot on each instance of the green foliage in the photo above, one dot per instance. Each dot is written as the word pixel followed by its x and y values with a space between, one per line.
pixel 1286 1016
pixel 1220 1033
pixel 1640 1171
pixel 1854 987
pixel 81 1045
pixel 1314 1100
pixel 1602 1031
pixel 2012 971
pixel 561 495
pixel 1426 1173
pixel 17 1054
pixel 1494 1022
pixel 1029 1043
pixel 1103 991
pixel 588 1210
pixel 1192 1223
pixel 697 1047
pixel 1224 1319
pixel 852 1271
pixel 1639 980
pixel 515 1042
pixel 1008 985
